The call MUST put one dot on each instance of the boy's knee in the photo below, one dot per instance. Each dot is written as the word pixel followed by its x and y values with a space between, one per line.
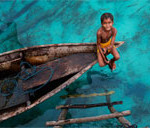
pixel 117 57
pixel 101 65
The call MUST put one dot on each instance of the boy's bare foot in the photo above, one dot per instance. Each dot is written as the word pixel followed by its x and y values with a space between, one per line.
pixel 112 65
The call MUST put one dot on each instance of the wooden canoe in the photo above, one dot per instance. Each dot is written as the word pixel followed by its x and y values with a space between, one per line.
pixel 70 61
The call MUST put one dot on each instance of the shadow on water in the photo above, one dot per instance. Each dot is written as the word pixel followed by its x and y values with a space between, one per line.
pixel 22 118
pixel 94 82
pixel 50 14
pixel 139 92
pixel 12 17
pixel 9 37
pixel 33 113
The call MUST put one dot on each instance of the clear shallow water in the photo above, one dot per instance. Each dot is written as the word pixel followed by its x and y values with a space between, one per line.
pixel 49 22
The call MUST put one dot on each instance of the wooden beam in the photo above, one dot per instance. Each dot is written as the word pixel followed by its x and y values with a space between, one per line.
pixel 59 68
pixel 88 119
pixel 63 114
pixel 88 95
pixel 82 106
pixel 122 120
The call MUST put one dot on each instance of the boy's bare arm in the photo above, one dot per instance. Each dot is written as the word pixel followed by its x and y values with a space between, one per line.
pixel 113 39
pixel 98 39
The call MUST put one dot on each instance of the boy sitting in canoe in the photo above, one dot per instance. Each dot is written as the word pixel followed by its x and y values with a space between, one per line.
pixel 105 41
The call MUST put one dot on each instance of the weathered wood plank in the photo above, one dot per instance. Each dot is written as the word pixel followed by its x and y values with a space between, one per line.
pixel 63 67
pixel 88 119
pixel 88 95
pixel 63 114
pixel 19 109
pixel 83 106
pixel 122 120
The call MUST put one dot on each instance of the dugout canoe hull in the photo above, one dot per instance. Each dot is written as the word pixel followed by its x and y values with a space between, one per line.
pixel 10 61
pixel 72 67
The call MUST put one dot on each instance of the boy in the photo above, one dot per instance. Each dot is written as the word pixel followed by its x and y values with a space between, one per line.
pixel 105 41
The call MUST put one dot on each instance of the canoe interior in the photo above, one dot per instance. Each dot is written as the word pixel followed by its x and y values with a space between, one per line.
pixel 34 99
pixel 63 68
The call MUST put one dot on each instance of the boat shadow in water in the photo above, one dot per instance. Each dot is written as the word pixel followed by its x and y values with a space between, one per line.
pixel 9 37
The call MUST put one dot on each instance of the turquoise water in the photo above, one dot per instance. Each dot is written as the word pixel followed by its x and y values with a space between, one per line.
pixel 52 22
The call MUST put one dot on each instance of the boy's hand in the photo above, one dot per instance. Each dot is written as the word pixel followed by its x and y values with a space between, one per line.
pixel 104 50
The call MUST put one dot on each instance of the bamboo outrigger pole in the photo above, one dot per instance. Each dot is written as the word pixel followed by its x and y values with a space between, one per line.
pixel 122 120
pixel 88 95
pixel 83 106
pixel 88 119
pixel 63 114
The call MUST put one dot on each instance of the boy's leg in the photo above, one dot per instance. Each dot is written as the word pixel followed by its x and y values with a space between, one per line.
pixel 116 55
pixel 100 60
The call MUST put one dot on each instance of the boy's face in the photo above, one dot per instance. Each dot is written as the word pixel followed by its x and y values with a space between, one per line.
pixel 107 24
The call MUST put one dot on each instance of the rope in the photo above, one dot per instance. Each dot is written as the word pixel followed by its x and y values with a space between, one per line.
pixel 24 75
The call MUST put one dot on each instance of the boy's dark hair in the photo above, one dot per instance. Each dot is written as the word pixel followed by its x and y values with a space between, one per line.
pixel 106 16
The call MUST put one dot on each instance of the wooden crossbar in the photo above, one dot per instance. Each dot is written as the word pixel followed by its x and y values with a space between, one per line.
pixel 88 95
pixel 122 120
pixel 63 114
pixel 83 106
pixel 88 119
